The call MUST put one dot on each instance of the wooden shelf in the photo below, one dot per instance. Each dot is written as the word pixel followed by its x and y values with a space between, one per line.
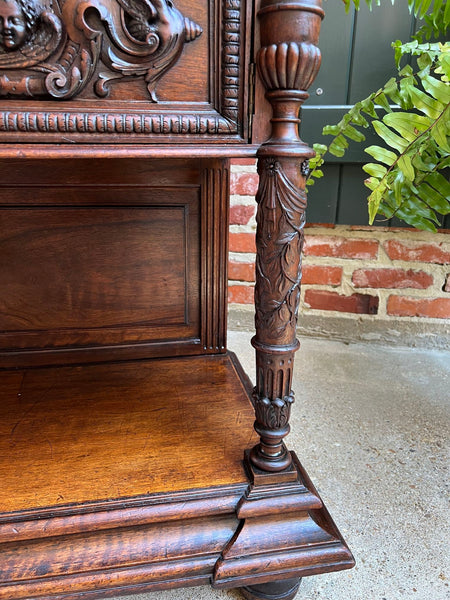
pixel 73 435
pixel 125 477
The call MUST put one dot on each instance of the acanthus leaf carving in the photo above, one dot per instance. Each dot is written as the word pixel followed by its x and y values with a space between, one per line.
pixel 281 218
pixel 273 414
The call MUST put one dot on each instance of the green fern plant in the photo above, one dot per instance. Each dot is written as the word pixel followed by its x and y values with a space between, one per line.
pixel 411 116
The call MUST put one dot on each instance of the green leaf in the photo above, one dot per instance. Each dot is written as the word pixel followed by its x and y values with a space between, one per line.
pixel 415 205
pixel 412 218
pixel 434 199
pixel 382 154
pixel 404 164
pixel 408 125
pixel 447 14
pixel 357 117
pixel 407 70
pixel 426 104
pixel 424 8
pixel 368 107
pixel 320 148
pixel 391 138
pixel 436 15
pixel 331 130
pixel 375 170
pixel 338 146
pixel 374 202
pixel 391 90
pixel 383 101
pixel 436 88
pixel 439 132
pixel 353 134
pixel 372 183
pixel 440 183
pixel 397 187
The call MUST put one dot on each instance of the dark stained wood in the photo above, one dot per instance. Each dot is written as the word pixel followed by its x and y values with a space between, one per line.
pixel 286 589
pixel 123 418
pixel 173 539
pixel 40 151
pixel 296 536
pixel 288 61
pixel 78 256
pixel 127 71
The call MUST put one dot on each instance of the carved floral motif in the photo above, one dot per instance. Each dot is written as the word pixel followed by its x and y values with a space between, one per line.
pixel 280 218
pixel 287 63
pixel 273 414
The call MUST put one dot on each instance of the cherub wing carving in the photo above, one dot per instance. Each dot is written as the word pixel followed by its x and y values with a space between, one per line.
pixel 57 50
pixel 41 44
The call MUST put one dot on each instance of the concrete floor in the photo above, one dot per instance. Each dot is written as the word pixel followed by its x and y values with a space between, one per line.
pixel 371 425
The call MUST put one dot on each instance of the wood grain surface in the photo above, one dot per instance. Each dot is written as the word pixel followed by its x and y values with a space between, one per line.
pixel 78 434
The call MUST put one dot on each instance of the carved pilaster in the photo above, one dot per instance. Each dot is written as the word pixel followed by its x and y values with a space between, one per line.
pixel 287 68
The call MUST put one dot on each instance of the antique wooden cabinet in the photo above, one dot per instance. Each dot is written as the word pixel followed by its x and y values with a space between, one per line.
pixel 129 459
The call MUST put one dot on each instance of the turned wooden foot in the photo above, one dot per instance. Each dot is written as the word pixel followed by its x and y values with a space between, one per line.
pixel 276 590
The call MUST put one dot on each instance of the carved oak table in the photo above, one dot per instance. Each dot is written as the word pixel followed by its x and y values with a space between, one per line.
pixel 128 456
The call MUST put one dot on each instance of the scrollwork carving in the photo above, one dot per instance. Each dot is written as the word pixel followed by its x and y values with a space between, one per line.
pixel 53 51
pixel 29 34
pixel 66 48
pixel 138 38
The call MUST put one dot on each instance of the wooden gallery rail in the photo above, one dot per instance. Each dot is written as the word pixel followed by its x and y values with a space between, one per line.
pixel 130 458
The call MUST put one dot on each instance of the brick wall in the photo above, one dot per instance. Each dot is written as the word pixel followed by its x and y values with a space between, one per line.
pixel 383 273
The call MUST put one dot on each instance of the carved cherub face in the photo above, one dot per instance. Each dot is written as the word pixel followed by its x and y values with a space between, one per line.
pixel 13 26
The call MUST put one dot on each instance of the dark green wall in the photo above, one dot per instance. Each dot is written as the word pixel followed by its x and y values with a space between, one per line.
pixel 357 59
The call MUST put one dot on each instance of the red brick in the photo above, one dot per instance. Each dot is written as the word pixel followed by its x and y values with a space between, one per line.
pixel 446 287
pixel 246 162
pixel 324 225
pixel 241 215
pixel 242 242
pixel 420 252
pixel 391 278
pixel 238 271
pixel 356 303
pixel 339 247
pixel 403 306
pixel 321 275
pixel 244 184
pixel 241 294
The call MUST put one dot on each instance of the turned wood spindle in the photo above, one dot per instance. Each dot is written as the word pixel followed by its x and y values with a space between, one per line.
pixel 288 62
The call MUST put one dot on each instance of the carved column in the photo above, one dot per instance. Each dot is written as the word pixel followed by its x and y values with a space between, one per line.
pixel 288 62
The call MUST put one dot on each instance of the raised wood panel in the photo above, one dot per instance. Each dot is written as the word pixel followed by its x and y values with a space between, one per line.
pixel 120 72
pixel 76 276
pixel 102 260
